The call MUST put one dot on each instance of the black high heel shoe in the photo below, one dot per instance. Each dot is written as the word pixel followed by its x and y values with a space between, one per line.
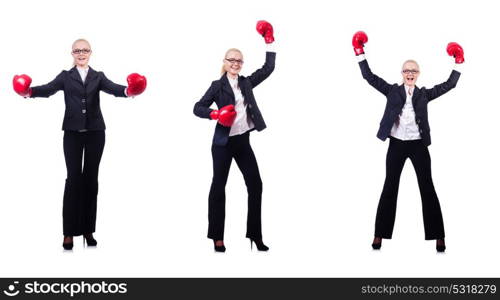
pixel 440 245
pixel 68 245
pixel 377 243
pixel 260 245
pixel 91 242
pixel 219 248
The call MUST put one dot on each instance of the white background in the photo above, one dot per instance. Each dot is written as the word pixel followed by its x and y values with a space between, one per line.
pixel 321 164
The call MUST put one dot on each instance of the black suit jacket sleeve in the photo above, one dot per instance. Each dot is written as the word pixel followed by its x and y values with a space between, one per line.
pixel 50 88
pixel 378 83
pixel 444 87
pixel 202 108
pixel 112 88
pixel 258 76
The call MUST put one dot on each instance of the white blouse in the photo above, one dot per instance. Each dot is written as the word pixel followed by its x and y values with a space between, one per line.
pixel 405 128
pixel 243 122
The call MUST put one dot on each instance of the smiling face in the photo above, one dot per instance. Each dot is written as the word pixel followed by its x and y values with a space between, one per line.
pixel 233 62
pixel 410 72
pixel 81 53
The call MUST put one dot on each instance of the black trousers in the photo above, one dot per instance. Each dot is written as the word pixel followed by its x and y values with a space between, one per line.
pixel 397 154
pixel 80 191
pixel 238 147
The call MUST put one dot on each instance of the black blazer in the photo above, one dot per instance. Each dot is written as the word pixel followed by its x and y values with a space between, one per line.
pixel 396 98
pixel 82 99
pixel 222 94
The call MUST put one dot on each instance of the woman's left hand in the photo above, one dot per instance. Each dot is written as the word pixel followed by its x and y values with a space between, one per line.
pixel 266 30
pixel 136 84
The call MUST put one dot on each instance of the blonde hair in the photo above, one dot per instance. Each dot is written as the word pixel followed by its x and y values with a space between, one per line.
pixel 223 70
pixel 410 61
pixel 77 41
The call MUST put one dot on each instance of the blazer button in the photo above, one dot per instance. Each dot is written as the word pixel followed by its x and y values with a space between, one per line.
pixel 250 105
pixel 421 130
pixel 84 111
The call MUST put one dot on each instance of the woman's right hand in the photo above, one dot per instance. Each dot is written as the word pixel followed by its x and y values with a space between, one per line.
pixel 21 84
pixel 225 115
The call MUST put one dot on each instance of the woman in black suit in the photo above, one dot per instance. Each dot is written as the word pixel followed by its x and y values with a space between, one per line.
pixel 405 123
pixel 238 114
pixel 84 136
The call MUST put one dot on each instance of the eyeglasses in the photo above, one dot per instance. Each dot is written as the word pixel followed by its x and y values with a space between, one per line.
pixel 80 51
pixel 407 71
pixel 234 61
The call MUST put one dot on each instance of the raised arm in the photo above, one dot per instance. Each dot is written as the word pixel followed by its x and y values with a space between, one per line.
pixel 457 52
pixel 265 29
pixel 358 41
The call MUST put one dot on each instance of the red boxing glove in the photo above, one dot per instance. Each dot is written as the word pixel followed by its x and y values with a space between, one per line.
pixel 358 41
pixel 455 50
pixel 266 30
pixel 21 84
pixel 225 115
pixel 136 84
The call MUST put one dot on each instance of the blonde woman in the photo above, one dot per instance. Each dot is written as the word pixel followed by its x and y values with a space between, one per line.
pixel 84 136
pixel 237 116
pixel 405 122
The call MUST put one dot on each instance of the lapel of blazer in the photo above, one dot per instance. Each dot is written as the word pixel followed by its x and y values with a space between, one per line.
pixel 243 87
pixel 416 96
pixel 226 87
pixel 91 75
pixel 402 92
pixel 75 75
